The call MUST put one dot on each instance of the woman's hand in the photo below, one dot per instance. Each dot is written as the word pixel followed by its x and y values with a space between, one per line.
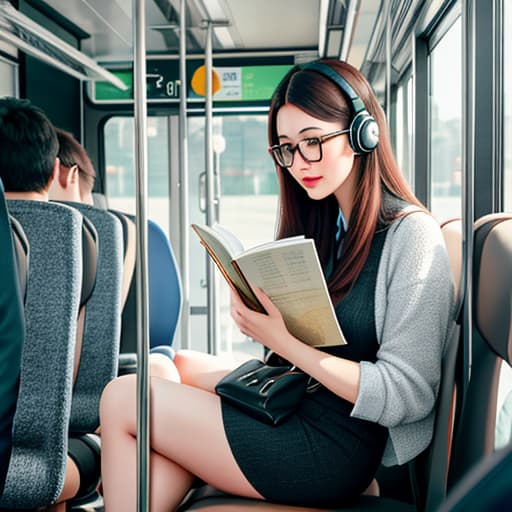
pixel 270 330
pixel 339 375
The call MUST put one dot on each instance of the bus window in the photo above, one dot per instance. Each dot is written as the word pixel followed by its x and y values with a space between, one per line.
pixel 507 133
pixel 8 73
pixel 120 167
pixel 404 127
pixel 247 206
pixel 446 125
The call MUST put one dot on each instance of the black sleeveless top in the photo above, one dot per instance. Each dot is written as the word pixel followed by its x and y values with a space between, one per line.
pixel 356 316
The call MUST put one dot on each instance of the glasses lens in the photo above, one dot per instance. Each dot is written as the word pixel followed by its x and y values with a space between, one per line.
pixel 283 155
pixel 310 149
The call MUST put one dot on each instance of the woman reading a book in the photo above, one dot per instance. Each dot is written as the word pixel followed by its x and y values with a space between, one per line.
pixel 389 278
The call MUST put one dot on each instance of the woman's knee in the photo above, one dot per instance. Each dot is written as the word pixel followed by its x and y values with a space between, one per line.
pixel 118 398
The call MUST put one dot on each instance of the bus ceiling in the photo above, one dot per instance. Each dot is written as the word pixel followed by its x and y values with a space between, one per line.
pixel 327 28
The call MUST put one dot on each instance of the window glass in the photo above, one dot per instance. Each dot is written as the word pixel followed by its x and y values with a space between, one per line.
pixel 404 129
pixel 446 125
pixel 120 167
pixel 507 57
pixel 8 79
pixel 247 207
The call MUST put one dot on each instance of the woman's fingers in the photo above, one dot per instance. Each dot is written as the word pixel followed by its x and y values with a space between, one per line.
pixel 265 301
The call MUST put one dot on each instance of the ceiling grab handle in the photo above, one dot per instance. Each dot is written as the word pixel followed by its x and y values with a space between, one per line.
pixel 140 118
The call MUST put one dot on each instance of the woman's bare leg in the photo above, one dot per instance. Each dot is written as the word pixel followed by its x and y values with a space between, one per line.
pixel 161 366
pixel 187 439
pixel 202 370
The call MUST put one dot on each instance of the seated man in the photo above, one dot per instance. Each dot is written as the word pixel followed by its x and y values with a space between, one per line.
pixel 28 165
pixel 11 338
pixel 74 182
pixel 75 179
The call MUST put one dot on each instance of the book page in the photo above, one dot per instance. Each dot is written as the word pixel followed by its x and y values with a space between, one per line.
pixel 274 243
pixel 220 252
pixel 230 240
pixel 293 279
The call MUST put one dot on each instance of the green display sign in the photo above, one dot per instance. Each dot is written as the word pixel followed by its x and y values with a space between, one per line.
pixel 231 83
pixel 105 91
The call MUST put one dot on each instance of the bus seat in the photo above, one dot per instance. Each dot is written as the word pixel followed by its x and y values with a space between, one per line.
pixel 165 295
pixel 164 287
pixel 487 485
pixel 100 201
pixel 22 255
pixel 452 233
pixel 100 346
pixel 37 467
pixel 128 305
pixel 12 328
pixel 491 340
pixel 89 266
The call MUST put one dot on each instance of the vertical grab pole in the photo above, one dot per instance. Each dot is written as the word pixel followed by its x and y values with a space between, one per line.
pixel 140 117
pixel 468 163
pixel 210 186
pixel 184 192
pixel 388 59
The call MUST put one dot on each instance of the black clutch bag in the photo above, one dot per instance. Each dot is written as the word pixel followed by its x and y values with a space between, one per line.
pixel 268 393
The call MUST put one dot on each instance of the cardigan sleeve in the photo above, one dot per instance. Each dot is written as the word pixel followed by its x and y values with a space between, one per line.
pixel 401 386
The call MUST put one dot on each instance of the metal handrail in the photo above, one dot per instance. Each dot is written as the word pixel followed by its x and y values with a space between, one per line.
pixel 468 164
pixel 140 144
pixel 210 186
pixel 184 190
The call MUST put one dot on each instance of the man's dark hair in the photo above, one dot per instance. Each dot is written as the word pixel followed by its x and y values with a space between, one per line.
pixel 71 153
pixel 28 146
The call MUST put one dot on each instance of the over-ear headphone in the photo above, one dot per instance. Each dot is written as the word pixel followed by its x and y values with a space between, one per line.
pixel 364 130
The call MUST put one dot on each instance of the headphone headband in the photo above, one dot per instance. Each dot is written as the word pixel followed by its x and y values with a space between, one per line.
pixel 364 131
pixel 346 88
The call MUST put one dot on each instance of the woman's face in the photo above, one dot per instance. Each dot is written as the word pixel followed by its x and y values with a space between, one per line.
pixel 318 179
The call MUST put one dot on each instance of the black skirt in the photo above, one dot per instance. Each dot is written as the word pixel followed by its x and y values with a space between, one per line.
pixel 319 457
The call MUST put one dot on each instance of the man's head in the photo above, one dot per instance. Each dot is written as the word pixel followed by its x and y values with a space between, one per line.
pixel 28 147
pixel 75 179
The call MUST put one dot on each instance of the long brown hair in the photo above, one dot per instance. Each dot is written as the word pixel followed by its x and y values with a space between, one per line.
pixel 377 173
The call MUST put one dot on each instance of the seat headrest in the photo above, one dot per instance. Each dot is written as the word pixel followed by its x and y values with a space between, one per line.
pixel 21 251
pixel 452 233
pixel 493 283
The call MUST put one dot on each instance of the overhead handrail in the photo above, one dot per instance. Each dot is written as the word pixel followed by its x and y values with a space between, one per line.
pixel 30 37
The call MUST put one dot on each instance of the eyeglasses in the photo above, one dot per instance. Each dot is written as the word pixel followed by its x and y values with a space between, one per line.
pixel 310 149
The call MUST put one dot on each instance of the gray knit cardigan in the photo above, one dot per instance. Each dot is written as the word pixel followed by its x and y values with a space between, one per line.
pixel 414 316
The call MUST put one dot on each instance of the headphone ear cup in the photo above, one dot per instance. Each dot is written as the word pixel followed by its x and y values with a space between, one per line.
pixel 364 133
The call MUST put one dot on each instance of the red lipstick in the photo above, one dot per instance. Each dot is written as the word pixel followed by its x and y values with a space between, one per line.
pixel 311 181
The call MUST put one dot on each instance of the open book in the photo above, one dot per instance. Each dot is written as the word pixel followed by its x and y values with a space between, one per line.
pixel 288 271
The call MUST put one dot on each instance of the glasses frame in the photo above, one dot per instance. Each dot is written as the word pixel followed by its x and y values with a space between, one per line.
pixel 276 150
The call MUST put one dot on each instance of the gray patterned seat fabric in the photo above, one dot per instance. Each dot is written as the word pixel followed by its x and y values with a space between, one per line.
pixel 102 329
pixel 37 468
